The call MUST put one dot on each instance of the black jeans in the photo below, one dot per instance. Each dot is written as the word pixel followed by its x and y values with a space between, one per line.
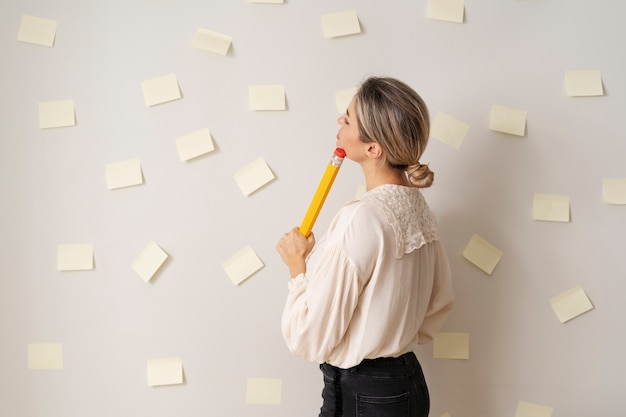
pixel 383 387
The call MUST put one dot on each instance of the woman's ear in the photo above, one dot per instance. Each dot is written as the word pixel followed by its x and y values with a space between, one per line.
pixel 374 150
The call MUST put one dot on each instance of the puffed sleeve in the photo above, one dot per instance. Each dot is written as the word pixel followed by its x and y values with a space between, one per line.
pixel 320 305
pixel 442 297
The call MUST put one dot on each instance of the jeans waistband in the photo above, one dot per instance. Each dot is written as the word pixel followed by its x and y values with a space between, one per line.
pixel 404 363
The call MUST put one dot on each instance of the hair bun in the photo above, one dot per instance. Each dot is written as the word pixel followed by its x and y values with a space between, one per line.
pixel 420 175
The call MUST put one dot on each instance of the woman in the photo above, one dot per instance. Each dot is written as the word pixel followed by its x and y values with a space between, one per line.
pixel 378 283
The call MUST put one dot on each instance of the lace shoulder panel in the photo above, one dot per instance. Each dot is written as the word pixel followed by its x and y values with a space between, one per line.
pixel 406 210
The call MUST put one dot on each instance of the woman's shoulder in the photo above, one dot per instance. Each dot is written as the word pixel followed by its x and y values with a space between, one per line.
pixel 407 212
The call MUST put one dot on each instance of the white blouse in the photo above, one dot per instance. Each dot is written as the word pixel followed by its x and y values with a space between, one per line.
pixel 377 283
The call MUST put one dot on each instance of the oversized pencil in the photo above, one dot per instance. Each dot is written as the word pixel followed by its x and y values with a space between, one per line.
pixel 322 191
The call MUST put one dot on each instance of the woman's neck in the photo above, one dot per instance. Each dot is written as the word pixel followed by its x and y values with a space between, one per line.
pixel 376 176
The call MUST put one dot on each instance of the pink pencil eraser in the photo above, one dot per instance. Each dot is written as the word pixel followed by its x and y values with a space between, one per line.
pixel 340 153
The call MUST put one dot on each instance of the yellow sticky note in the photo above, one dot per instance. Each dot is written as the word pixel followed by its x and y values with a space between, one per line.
pixel 211 41
pixel 570 304
pixel 253 176
pixel 449 130
pixel 194 144
pixel 37 30
pixel 447 10
pixel 614 190
pixel 526 409
pixel 482 254
pixel 266 97
pixel 75 257
pixel 583 83
pixel 551 207
pixel 149 261
pixel 166 371
pixel 508 120
pixel 242 265
pixel 340 24
pixel 160 90
pixel 343 98
pixel 264 391
pixel 451 346
pixel 59 113
pixel 123 174
pixel 45 356
pixel 267 1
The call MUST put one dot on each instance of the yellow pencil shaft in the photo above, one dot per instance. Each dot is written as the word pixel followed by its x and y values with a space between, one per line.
pixel 318 199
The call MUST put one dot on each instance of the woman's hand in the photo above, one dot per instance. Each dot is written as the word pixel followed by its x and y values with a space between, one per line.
pixel 293 249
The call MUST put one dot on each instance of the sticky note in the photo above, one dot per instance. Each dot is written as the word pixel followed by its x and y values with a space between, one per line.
pixel 263 391
pixel 160 90
pixel 59 113
pixel 75 257
pixel 451 346
pixel 253 176
pixel 267 1
pixel 211 41
pixel 340 24
pixel 446 10
pixel 583 83
pixel 449 130
pixel 551 207
pixel 266 97
pixel 45 356
pixel 165 371
pixel 149 261
pixel 482 254
pixel 37 30
pixel 508 120
pixel 614 190
pixel 242 265
pixel 195 144
pixel 343 98
pixel 123 174
pixel 525 409
pixel 570 304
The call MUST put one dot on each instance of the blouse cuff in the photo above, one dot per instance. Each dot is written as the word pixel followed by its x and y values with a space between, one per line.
pixel 297 281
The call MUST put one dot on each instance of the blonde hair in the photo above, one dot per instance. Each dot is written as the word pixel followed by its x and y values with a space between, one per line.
pixel 392 114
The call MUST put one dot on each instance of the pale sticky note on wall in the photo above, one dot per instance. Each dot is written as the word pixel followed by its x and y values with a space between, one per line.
pixel 551 208
pixel 266 97
pixel 508 120
pixel 583 83
pixel 194 144
pixel 614 190
pixel 447 345
pixel 253 176
pixel 160 90
pixel 149 261
pixel 59 113
pixel 37 30
pixel 242 265
pixel 165 371
pixel 447 10
pixel 267 1
pixel 526 409
pixel 343 98
pixel 264 391
pixel 340 24
pixel 482 254
pixel 570 304
pixel 45 356
pixel 123 174
pixel 211 41
pixel 449 130
pixel 75 257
